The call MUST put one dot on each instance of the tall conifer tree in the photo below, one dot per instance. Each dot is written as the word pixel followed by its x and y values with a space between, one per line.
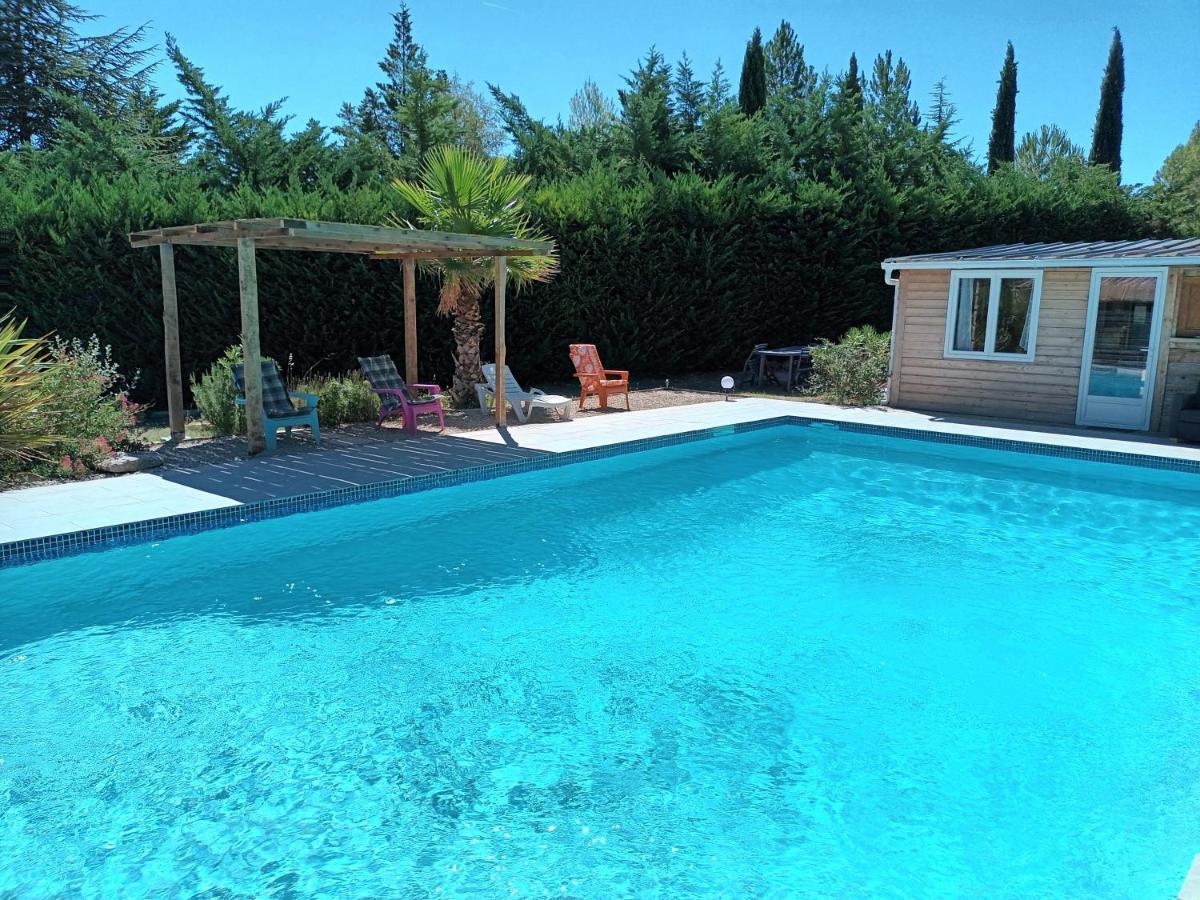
pixel 45 65
pixel 851 87
pixel 1106 138
pixel 752 90
pixel 1002 142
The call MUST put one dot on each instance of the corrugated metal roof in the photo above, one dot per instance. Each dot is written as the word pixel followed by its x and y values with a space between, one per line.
pixel 1187 249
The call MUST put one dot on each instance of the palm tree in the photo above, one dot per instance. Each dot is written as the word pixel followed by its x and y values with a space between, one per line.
pixel 462 192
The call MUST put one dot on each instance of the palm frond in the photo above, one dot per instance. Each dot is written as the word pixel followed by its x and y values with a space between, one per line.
pixel 461 192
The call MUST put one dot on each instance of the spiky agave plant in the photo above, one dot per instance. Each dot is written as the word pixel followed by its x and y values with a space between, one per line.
pixel 462 192
pixel 23 363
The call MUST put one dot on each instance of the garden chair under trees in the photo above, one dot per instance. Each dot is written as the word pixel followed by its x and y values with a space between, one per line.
pixel 396 398
pixel 595 379
pixel 278 409
pixel 750 366
pixel 521 401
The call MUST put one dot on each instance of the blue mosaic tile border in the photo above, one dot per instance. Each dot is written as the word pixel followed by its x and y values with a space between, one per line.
pixel 43 548
pixel 37 549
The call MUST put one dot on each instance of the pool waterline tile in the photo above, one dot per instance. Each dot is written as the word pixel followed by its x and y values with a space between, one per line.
pixel 606 439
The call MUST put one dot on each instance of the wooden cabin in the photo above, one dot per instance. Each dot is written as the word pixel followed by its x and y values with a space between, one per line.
pixel 1103 334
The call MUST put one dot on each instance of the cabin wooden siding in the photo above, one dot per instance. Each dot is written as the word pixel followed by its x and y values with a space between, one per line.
pixel 1044 390
pixel 1180 381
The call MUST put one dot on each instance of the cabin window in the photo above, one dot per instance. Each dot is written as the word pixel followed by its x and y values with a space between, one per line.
pixel 993 315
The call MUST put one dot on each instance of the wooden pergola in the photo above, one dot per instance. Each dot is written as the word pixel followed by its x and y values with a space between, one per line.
pixel 405 244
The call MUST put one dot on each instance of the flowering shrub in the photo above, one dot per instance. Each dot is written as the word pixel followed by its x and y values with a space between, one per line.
pixel 86 412
pixel 90 408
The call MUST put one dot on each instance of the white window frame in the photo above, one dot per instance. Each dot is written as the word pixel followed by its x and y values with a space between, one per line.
pixel 989 341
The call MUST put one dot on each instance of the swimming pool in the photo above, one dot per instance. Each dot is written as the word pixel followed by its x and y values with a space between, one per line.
pixel 793 661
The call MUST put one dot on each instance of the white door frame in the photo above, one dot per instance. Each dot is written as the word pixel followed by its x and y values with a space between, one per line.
pixel 1089 339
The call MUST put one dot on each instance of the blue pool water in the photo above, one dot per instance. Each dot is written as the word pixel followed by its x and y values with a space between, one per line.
pixel 791 662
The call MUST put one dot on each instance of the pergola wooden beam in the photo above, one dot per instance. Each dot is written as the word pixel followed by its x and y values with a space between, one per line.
pixel 338 237
pixel 377 242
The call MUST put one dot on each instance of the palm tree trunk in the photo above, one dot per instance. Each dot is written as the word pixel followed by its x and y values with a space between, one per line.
pixel 468 332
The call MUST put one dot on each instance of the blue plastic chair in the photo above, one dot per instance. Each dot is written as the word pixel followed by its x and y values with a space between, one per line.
pixel 278 410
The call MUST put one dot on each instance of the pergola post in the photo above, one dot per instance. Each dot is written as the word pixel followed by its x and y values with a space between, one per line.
pixel 410 321
pixel 251 352
pixel 501 350
pixel 166 255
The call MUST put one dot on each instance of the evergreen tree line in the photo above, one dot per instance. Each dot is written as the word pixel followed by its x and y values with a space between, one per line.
pixel 692 219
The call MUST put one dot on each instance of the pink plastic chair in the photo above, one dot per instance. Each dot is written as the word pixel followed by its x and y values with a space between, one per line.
pixel 396 397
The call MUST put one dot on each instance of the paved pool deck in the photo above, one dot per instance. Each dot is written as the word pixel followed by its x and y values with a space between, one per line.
pixel 388 455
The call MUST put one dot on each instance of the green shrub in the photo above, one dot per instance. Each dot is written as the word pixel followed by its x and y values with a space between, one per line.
pixel 853 370
pixel 343 398
pixel 216 396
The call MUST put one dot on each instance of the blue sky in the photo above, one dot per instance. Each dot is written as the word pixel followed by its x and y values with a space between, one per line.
pixel 318 55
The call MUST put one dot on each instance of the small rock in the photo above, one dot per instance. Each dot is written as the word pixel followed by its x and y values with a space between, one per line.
pixel 122 463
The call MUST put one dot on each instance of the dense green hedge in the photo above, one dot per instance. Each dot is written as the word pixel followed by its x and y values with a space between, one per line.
pixel 666 275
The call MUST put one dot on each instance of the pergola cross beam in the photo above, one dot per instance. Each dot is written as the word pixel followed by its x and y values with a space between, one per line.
pixel 377 242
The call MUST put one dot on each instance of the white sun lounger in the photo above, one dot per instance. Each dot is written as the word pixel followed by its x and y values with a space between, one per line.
pixel 521 401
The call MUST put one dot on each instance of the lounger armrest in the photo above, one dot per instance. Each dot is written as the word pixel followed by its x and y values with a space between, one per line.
pixel 537 392
pixel 390 392
pixel 310 400
pixel 430 388
pixel 620 373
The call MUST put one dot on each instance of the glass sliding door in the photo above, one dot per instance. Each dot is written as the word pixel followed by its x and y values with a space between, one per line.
pixel 1121 347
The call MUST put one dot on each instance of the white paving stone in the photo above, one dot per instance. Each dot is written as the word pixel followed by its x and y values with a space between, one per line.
pixel 63 508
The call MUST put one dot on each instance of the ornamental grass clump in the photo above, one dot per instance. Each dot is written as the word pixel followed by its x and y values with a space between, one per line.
pixel 23 392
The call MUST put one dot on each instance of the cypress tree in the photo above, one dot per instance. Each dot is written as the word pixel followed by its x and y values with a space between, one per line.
pixel 1002 142
pixel 752 91
pixel 1106 138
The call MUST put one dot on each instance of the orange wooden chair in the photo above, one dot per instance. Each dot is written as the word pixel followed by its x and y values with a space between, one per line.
pixel 595 379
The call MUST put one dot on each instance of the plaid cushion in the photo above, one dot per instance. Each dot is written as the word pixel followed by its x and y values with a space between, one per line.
pixel 276 402
pixel 383 375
